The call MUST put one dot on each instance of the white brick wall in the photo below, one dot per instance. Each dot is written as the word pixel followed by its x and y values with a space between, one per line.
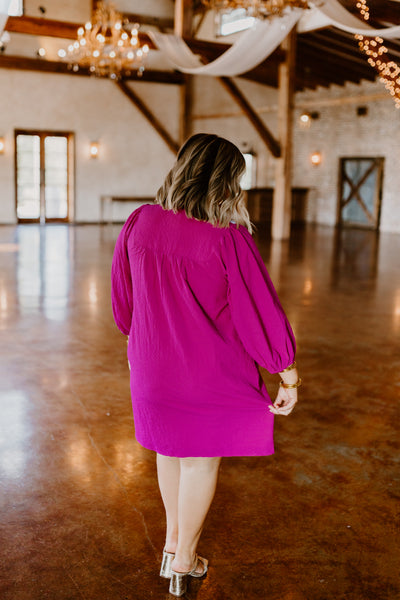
pixel 339 132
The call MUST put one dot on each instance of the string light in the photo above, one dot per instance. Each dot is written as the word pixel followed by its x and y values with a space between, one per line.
pixel 374 48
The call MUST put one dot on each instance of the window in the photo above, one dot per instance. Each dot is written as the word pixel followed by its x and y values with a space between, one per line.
pixel 16 8
pixel 43 175
pixel 234 21
pixel 248 180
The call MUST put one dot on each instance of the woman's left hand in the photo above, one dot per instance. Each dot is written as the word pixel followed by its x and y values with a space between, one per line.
pixel 285 401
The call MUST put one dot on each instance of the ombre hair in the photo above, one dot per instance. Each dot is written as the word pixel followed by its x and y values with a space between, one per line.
pixel 205 182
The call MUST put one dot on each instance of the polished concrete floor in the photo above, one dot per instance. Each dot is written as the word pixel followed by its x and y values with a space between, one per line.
pixel 80 512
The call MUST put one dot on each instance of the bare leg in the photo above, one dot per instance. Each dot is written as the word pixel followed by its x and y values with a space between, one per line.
pixel 198 480
pixel 168 471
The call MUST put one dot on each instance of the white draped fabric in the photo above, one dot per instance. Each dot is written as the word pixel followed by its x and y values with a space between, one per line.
pixel 252 47
pixel 4 6
pixel 257 43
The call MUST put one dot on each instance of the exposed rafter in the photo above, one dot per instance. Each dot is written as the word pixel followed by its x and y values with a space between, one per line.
pixel 384 12
pixel 324 57
pixel 146 112
pixel 262 130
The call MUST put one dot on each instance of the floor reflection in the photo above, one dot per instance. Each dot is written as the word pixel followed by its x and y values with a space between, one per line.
pixel 79 495
pixel 15 432
pixel 355 256
pixel 43 269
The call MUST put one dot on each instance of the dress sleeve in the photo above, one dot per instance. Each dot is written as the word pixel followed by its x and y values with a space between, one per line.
pixel 256 311
pixel 121 279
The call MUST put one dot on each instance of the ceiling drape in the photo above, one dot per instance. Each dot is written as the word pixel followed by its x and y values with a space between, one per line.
pixel 257 43
pixel 4 6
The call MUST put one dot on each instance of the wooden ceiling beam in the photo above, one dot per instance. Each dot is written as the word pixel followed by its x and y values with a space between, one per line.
pixel 23 63
pixel 183 18
pixel 384 11
pixel 162 23
pixel 347 40
pixel 42 27
pixel 338 71
pixel 327 50
pixel 329 68
pixel 149 116
pixel 272 144
pixel 57 29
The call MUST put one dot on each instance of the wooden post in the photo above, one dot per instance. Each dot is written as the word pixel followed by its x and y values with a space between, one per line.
pixel 185 115
pixel 282 203
pixel 183 26
pixel 183 20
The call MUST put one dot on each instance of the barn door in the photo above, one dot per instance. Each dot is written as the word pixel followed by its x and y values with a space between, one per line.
pixel 360 192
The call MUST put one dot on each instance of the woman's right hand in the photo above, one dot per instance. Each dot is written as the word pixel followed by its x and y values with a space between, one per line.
pixel 285 401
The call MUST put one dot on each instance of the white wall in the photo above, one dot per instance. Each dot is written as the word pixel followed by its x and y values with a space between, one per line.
pixel 133 158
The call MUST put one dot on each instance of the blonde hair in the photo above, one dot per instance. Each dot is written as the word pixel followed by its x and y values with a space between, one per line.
pixel 205 182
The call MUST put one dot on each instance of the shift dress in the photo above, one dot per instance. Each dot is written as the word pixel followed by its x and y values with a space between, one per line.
pixel 201 313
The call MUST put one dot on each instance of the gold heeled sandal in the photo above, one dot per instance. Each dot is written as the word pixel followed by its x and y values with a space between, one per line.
pixel 167 558
pixel 178 583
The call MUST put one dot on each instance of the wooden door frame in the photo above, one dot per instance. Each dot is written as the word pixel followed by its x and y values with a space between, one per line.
pixel 378 161
pixel 42 134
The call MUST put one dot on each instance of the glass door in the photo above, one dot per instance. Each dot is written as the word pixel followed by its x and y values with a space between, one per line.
pixel 43 174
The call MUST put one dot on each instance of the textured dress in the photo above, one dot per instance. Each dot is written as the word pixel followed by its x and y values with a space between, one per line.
pixel 201 313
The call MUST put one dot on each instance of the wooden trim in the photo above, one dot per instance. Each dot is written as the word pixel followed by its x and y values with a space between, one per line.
pixel 269 140
pixel 151 118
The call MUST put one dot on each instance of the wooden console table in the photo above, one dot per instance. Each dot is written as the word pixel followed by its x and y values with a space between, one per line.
pixel 110 200
pixel 259 205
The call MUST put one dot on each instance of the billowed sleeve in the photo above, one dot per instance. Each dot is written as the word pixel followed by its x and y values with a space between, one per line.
pixel 257 314
pixel 121 278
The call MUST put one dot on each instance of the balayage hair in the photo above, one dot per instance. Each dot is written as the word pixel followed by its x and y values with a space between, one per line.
pixel 205 182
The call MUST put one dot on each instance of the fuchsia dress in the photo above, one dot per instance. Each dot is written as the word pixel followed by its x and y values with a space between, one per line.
pixel 201 313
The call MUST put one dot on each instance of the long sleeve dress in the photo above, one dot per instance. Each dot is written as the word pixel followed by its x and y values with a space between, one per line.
pixel 201 313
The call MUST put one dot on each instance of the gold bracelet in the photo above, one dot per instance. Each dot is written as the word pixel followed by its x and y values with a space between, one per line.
pixel 291 386
pixel 289 368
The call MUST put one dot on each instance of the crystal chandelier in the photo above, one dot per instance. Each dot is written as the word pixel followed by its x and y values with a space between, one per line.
pixel 106 46
pixel 260 9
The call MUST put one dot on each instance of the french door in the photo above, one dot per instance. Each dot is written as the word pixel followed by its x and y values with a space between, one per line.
pixel 43 176
pixel 360 192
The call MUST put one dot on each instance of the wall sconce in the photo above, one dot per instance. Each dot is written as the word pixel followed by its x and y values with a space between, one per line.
pixel 2 145
pixel 94 149
pixel 305 120
pixel 316 159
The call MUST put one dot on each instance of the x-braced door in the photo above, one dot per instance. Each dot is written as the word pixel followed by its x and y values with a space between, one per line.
pixel 360 192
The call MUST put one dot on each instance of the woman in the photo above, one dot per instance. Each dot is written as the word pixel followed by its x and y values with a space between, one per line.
pixel 190 289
